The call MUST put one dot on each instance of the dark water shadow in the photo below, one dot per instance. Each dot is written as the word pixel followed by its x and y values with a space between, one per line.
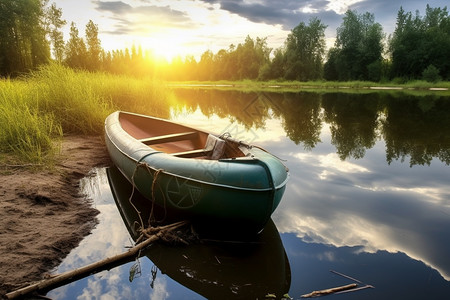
pixel 244 268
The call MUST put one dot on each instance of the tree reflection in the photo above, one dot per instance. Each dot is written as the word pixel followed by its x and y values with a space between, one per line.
pixel 353 121
pixel 417 127
pixel 302 118
pixel 247 108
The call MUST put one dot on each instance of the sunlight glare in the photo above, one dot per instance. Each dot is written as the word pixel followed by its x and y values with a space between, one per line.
pixel 164 48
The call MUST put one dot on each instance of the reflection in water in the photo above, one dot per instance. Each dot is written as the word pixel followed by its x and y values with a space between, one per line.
pixel 353 205
pixel 417 127
pixel 214 269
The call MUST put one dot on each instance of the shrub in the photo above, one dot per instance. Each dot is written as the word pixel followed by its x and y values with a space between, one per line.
pixel 431 74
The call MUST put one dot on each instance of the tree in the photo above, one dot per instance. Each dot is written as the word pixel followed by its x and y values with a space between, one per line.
pixel 331 69
pixel 357 53
pixel 94 47
pixel 275 68
pixel 22 36
pixel 205 66
pixel 221 60
pixel 371 48
pixel 348 39
pixel 419 42
pixel 305 50
pixel 76 52
pixel 54 23
pixel 404 44
pixel 252 55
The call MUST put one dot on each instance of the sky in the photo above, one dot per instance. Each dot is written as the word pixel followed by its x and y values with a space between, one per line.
pixel 173 28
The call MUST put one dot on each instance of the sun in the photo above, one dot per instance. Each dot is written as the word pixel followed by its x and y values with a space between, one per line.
pixel 166 47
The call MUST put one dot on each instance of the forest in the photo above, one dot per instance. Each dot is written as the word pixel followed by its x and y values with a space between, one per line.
pixel 418 49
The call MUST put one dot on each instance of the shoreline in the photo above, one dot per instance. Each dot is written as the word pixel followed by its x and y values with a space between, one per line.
pixel 43 216
pixel 418 86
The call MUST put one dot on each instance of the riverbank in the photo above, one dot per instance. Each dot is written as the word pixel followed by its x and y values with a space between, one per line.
pixel 317 86
pixel 43 216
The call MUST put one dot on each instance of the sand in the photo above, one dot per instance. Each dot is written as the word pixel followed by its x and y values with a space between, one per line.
pixel 43 216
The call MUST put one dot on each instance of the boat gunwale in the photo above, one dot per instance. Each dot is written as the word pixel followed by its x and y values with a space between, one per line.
pixel 152 151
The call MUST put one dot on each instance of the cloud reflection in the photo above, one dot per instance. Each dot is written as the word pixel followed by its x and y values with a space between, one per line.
pixel 342 203
pixel 367 203
pixel 160 291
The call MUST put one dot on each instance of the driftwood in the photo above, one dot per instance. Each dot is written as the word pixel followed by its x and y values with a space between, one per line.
pixel 106 264
pixel 340 289
pixel 330 291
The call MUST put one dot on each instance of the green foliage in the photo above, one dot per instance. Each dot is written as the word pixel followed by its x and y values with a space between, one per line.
pixel 419 42
pixel 431 74
pixel 22 36
pixel 94 47
pixel 54 24
pixel 76 52
pixel 357 54
pixel 242 62
pixel 305 50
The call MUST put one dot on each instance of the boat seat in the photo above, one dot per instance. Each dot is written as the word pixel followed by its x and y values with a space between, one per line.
pixel 214 149
pixel 168 138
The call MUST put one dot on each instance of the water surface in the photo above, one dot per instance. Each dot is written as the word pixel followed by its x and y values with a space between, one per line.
pixel 368 197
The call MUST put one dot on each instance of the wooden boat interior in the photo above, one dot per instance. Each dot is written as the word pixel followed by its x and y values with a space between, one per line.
pixel 178 140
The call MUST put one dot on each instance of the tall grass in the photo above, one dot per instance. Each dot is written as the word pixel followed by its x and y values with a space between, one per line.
pixel 38 109
pixel 24 131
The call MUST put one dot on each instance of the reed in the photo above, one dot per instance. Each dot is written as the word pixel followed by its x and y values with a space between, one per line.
pixel 37 110
pixel 82 100
pixel 24 131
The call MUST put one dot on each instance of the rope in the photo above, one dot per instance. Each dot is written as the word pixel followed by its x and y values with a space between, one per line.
pixel 132 194
pixel 151 219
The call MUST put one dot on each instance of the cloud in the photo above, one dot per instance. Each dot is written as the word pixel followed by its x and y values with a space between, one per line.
pixel 289 13
pixel 116 7
pixel 142 18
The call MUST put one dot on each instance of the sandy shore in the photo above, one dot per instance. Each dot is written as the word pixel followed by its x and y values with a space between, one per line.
pixel 42 215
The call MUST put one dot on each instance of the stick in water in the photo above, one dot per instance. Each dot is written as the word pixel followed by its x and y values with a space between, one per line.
pixel 346 276
pixel 82 272
pixel 330 291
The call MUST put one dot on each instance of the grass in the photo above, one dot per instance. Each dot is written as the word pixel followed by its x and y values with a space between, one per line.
pixel 37 110
pixel 24 130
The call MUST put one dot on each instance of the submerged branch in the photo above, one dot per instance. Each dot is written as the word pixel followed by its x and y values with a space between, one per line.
pixel 105 264
pixel 330 291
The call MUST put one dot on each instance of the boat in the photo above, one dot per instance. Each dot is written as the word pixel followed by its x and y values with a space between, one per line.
pixel 209 178
pixel 210 266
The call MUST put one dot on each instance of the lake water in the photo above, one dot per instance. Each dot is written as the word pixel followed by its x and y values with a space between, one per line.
pixel 368 197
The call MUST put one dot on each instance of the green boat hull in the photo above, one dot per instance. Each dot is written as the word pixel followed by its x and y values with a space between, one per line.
pixel 253 265
pixel 242 191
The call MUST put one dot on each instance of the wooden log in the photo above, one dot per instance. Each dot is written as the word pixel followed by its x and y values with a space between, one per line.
pixel 105 264
pixel 330 291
